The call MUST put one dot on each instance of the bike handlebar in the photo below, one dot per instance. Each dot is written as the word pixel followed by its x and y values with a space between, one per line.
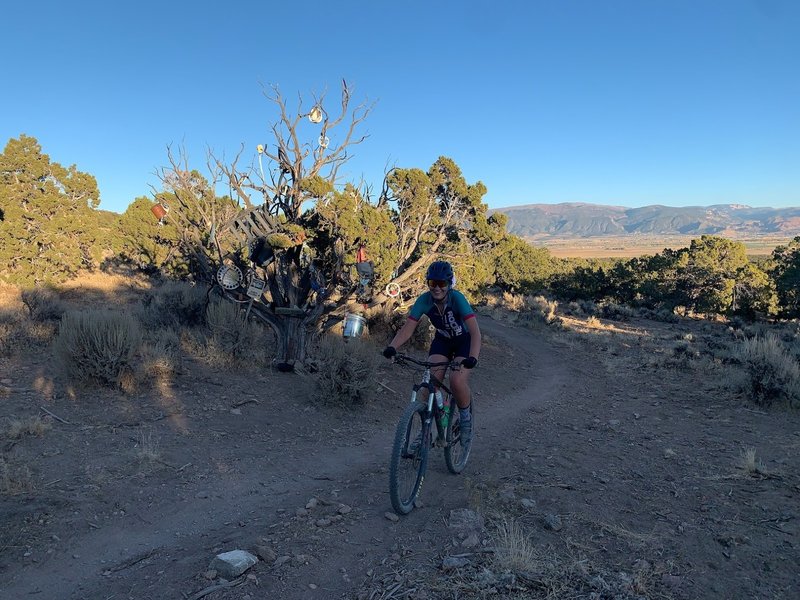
pixel 401 358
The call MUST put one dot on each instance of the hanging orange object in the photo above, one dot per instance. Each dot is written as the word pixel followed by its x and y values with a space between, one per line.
pixel 159 211
pixel 361 255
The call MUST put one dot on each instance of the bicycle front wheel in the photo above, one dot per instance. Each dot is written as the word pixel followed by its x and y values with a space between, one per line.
pixel 456 454
pixel 409 458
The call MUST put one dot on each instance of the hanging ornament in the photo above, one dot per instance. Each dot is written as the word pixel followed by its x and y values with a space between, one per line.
pixel 323 141
pixel 392 289
pixel 315 116
pixel 229 277
pixel 260 148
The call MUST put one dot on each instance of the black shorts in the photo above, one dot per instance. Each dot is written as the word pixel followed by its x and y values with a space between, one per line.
pixel 450 347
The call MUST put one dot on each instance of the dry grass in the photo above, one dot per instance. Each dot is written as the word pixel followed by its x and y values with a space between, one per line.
pixel 750 464
pixel 15 478
pixel 514 550
pixel 34 425
pixel 147 447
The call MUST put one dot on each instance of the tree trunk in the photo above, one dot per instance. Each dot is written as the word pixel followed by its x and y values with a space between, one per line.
pixel 292 336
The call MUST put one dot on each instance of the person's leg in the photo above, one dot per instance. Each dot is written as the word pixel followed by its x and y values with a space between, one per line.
pixel 459 383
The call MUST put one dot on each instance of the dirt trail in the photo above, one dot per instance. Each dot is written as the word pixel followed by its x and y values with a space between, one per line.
pixel 615 450
pixel 158 552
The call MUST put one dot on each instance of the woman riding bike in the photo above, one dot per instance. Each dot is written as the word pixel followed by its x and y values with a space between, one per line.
pixel 457 336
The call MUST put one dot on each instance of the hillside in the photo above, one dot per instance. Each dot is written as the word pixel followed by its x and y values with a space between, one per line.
pixel 575 219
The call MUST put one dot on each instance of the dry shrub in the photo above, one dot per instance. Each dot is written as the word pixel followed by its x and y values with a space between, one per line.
pixel 174 304
pixel 160 359
pixel 750 464
pixel 538 310
pixel 617 312
pixel 230 340
pixel 31 426
pixel 19 334
pixel 773 373
pixel 98 346
pixel 43 304
pixel 514 551
pixel 514 302
pixel 347 371
pixel 384 322
pixel 14 478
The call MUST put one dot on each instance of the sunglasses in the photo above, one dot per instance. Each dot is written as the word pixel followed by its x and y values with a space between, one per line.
pixel 440 283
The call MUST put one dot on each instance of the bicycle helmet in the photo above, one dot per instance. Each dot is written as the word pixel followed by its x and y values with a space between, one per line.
pixel 441 269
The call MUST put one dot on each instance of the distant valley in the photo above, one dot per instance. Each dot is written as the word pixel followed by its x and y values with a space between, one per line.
pixel 580 229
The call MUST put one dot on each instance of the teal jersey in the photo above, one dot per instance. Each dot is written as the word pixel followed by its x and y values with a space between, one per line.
pixel 450 322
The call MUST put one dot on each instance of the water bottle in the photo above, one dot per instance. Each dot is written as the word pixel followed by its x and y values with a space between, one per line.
pixel 444 410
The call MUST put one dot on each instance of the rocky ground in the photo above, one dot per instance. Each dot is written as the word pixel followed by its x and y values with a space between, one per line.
pixel 609 462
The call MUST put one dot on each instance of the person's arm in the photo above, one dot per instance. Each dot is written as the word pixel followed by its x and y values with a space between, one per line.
pixel 475 336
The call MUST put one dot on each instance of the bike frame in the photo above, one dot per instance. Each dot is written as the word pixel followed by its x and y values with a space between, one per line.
pixel 430 382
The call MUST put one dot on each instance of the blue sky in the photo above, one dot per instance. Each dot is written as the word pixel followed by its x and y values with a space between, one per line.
pixel 626 102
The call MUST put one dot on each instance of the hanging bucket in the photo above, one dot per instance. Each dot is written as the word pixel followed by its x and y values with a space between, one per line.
pixel 159 211
pixel 353 325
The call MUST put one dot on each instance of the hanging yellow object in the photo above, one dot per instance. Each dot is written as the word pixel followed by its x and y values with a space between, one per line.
pixel 260 148
pixel 315 116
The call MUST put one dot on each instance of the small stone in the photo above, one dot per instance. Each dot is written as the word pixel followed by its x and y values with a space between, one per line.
pixel 454 562
pixel 281 560
pixel 672 581
pixel 552 522
pixel 395 556
pixel 266 553
pixel 323 522
pixel 344 509
pixel 471 541
pixel 201 494
pixel 391 516
pixel 210 574
pixel 613 422
pixel 313 586
pixel 232 564
pixel 236 411
pixel 528 503
pixel 301 512
pixel 312 503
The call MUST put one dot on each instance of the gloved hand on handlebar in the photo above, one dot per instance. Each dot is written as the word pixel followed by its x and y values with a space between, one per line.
pixel 469 363
pixel 389 351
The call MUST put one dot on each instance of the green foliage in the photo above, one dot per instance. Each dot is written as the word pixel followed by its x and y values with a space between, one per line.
pixel 148 245
pixel 786 275
pixel 707 276
pixel 521 267
pixel 347 371
pixel 50 229
pixel 97 346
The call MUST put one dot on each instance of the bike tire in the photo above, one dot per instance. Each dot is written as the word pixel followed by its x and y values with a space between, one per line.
pixel 407 466
pixel 455 455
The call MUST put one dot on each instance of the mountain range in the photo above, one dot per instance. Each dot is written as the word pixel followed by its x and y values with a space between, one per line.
pixel 576 219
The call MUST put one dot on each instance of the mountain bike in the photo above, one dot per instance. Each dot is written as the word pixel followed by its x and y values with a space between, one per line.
pixel 424 424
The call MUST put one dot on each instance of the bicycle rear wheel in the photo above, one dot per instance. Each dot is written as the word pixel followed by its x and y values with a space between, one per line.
pixel 409 458
pixel 456 455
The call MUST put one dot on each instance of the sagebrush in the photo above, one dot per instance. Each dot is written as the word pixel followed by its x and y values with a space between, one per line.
pixel 97 345
pixel 347 371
